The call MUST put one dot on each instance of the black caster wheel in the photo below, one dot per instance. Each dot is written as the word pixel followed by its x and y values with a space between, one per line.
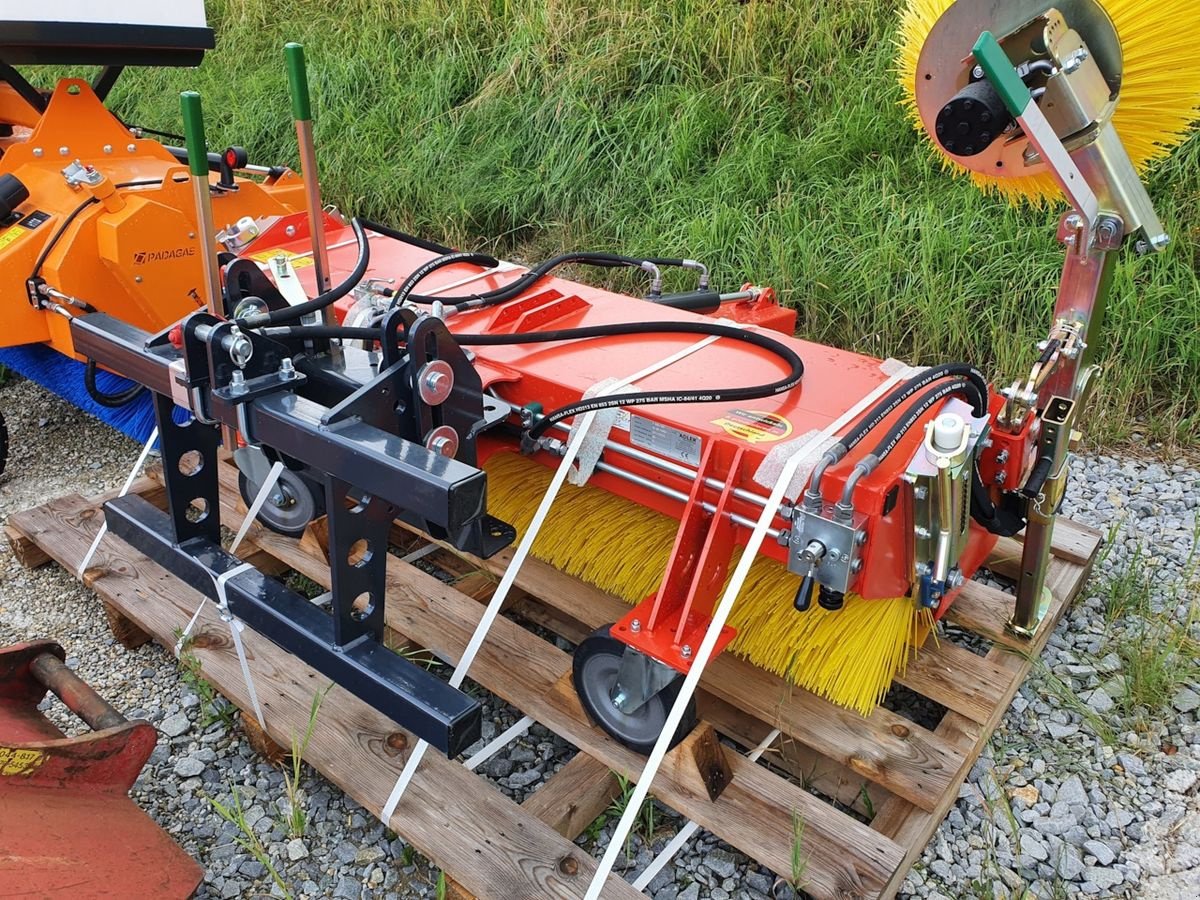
pixel 594 672
pixel 290 506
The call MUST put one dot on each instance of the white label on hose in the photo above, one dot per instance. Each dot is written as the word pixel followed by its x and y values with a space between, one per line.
pixel 664 440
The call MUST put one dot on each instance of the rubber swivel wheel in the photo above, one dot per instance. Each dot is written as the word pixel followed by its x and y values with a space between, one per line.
pixel 594 671
pixel 289 507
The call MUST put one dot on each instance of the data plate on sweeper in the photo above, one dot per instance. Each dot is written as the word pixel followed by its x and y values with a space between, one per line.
pixel 664 440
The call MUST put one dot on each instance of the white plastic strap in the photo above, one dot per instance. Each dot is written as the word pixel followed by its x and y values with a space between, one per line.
pixel 685 833
pixel 235 631
pixel 419 553
pixel 259 499
pixel 518 560
pixel 133 474
pixel 704 654
pixel 498 743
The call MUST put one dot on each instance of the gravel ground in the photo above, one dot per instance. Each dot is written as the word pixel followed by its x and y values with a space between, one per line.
pixel 1079 794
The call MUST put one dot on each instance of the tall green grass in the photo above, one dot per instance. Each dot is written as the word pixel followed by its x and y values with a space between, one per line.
pixel 764 138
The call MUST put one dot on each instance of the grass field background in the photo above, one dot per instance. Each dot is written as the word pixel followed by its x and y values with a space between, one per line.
pixel 763 138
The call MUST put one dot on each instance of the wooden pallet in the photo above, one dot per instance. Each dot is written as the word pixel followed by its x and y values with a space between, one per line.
pixel 906 775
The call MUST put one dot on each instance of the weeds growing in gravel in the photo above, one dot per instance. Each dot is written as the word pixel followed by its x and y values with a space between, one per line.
pixel 646 823
pixel 233 813
pixel 295 822
pixel 1153 627
pixel 213 707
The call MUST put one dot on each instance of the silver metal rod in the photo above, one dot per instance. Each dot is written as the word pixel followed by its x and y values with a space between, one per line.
pixel 316 217
pixel 662 489
pixel 677 469
pixel 208 247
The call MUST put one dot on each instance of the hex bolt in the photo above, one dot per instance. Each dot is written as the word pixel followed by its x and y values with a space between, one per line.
pixel 922 568
pixel 286 369
pixel 64 151
pixel 922 532
pixel 856 566
pixel 132 148
pixel 686 651
pixel 108 148
pixel 38 151
pixel 635 626
pixel 860 538
pixel 920 493
pixel 237 382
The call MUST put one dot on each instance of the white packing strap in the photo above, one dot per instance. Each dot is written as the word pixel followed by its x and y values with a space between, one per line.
pixel 705 652
pixel 685 833
pixel 772 464
pixel 259 499
pixel 498 743
pixel 235 631
pixel 133 474
pixel 518 560
pixel 596 437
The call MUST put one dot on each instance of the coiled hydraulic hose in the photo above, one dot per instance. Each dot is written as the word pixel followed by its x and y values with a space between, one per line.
pixel 711 395
pixel 500 295
pixel 300 310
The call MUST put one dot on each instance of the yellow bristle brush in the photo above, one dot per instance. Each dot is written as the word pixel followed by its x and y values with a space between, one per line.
pixel 849 657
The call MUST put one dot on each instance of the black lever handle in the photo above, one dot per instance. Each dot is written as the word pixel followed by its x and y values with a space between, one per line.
pixel 804 595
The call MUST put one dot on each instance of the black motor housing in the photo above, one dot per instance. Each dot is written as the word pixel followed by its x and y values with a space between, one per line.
pixel 973 120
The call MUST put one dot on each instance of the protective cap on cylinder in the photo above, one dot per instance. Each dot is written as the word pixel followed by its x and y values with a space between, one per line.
pixel 948 432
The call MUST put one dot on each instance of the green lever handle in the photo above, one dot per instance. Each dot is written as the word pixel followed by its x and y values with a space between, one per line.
pixel 1001 73
pixel 293 54
pixel 193 130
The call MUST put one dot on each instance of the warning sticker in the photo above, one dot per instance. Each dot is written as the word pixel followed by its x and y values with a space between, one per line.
pixel 13 234
pixel 297 261
pixel 664 440
pixel 754 427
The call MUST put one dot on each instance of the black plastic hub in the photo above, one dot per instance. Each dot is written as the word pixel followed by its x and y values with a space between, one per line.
pixel 973 120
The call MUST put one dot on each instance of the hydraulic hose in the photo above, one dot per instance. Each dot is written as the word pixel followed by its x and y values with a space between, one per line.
pixel 448 259
pixel 300 310
pixel 884 408
pixel 397 235
pixel 110 401
pixel 912 415
pixel 526 281
pixel 713 395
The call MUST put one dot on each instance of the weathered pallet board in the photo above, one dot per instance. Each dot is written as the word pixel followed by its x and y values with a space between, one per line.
pixel 908 775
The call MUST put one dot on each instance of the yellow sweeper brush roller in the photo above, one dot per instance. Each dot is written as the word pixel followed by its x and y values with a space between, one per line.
pixel 849 657
pixel 1159 84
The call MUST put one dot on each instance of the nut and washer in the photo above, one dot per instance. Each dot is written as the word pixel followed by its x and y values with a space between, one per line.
pixel 435 381
pixel 443 440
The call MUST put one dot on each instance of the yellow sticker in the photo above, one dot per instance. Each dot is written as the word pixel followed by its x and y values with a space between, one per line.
pixel 754 427
pixel 18 761
pixel 12 235
pixel 297 261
